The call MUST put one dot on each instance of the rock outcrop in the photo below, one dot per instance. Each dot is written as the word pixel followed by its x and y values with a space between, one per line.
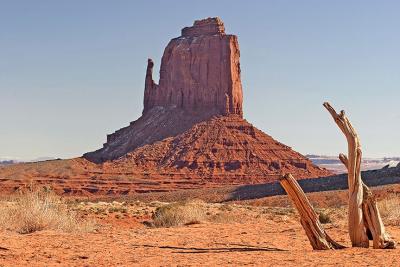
pixel 223 149
pixel 154 125
pixel 192 128
pixel 200 71
pixel 199 78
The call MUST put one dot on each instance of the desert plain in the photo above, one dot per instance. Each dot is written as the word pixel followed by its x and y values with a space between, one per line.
pixel 262 232
pixel 192 183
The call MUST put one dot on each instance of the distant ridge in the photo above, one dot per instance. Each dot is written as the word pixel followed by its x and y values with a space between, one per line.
pixel 333 163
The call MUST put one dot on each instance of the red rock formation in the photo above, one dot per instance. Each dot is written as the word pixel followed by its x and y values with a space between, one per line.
pixel 199 78
pixel 200 70
pixel 192 126
pixel 224 149
pixel 156 124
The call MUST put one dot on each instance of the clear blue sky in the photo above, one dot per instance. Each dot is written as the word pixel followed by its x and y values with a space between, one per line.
pixel 73 71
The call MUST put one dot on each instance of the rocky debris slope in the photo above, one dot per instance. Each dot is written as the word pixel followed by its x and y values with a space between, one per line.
pixel 224 148
pixel 155 125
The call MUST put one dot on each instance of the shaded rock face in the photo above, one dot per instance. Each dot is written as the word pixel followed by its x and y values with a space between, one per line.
pixel 155 125
pixel 200 71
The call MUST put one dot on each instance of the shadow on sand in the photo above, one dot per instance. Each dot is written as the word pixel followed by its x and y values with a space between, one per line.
pixel 234 248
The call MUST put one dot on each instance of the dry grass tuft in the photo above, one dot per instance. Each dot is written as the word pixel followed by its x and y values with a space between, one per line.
pixel 324 217
pixel 389 209
pixel 179 213
pixel 225 217
pixel 39 209
pixel 197 211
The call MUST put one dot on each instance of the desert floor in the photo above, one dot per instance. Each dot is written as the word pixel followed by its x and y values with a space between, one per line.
pixel 234 235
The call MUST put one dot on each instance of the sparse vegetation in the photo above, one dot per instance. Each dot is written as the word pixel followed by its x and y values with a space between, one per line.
pixel 324 217
pixel 197 211
pixel 389 209
pixel 40 209
pixel 226 207
pixel 179 213
pixel 117 209
pixel 224 217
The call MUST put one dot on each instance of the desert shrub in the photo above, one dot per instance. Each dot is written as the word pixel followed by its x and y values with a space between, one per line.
pixel 279 211
pixel 179 213
pixel 389 209
pixel 324 218
pixel 38 209
pixel 225 217
pixel 226 207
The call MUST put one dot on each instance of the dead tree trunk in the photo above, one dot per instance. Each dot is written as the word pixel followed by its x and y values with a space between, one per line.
pixel 372 219
pixel 364 217
pixel 319 239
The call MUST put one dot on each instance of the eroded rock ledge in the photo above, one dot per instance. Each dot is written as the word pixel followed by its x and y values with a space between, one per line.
pixel 209 26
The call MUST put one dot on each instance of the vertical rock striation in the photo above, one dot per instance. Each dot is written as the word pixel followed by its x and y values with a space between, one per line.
pixel 200 71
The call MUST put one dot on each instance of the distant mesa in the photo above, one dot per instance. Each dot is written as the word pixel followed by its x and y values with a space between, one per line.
pixel 333 163
pixel 7 162
pixel 193 117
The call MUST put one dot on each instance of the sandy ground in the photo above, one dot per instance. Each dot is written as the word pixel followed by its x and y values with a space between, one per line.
pixel 247 235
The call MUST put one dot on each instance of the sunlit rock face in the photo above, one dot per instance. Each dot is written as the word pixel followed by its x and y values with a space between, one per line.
pixel 200 71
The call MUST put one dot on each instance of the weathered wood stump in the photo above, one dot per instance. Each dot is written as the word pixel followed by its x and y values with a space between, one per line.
pixel 319 239
pixel 365 222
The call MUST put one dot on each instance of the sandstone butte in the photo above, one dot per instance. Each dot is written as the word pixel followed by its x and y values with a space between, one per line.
pixel 191 134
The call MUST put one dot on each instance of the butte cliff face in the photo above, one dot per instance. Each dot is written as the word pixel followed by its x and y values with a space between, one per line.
pixel 192 127
pixel 200 71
